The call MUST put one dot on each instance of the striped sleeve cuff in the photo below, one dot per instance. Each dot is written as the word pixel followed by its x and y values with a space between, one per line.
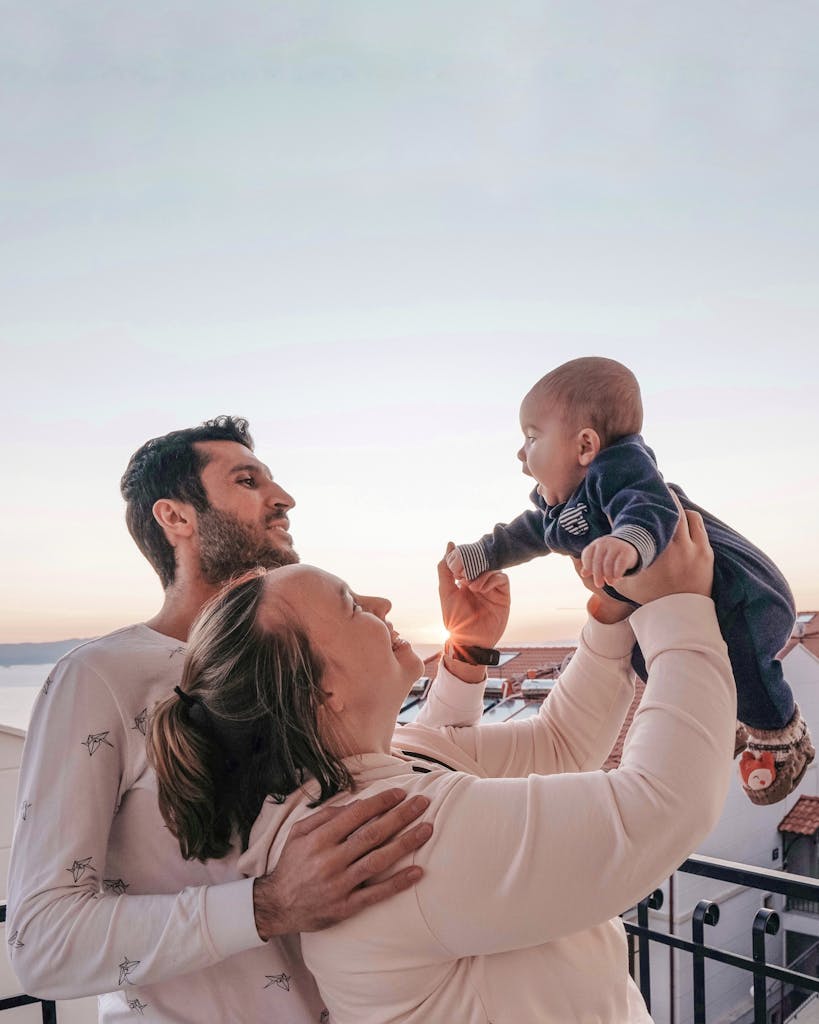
pixel 642 540
pixel 474 559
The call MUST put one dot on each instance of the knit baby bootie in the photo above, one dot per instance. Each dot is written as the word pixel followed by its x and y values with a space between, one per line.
pixel 775 760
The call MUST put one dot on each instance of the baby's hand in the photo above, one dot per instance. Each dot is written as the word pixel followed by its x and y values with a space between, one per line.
pixel 455 563
pixel 608 559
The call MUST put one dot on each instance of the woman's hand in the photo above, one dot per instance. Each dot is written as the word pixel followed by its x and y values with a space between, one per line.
pixel 475 613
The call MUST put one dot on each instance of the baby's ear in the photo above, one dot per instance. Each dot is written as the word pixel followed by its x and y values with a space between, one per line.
pixel 588 446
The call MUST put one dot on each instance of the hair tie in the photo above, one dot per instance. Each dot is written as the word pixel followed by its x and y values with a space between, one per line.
pixel 187 699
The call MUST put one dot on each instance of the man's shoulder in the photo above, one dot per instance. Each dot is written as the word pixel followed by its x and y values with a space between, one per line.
pixel 122 652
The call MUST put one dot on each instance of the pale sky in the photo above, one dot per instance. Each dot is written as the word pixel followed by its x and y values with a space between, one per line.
pixel 369 227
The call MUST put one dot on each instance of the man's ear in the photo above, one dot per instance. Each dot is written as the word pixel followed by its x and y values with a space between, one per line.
pixel 176 518
pixel 588 446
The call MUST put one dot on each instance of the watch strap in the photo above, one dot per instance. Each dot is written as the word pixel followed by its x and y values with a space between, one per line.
pixel 471 654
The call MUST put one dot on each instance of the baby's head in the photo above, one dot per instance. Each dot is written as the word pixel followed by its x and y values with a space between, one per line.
pixel 570 415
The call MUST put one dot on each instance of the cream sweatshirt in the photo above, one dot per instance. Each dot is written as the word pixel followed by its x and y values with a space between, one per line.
pixel 535 848
pixel 100 899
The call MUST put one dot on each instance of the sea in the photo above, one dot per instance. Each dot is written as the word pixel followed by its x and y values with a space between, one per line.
pixel 19 686
pixel 24 675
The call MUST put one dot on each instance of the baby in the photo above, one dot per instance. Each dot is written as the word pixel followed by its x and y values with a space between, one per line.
pixel 601 498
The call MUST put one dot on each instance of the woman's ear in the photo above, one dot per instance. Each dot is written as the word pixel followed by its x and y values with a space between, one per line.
pixel 334 702
pixel 175 517
pixel 588 446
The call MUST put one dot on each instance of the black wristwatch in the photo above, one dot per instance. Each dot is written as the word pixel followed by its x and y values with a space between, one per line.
pixel 472 655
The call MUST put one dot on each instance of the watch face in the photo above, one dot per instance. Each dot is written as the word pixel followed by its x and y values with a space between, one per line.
pixel 482 655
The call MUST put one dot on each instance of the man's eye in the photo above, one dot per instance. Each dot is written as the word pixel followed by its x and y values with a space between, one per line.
pixel 248 480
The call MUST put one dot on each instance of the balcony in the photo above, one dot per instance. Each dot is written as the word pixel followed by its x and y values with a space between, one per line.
pixel 777 994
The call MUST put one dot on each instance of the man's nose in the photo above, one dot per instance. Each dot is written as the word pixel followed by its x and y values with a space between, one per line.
pixel 522 453
pixel 279 497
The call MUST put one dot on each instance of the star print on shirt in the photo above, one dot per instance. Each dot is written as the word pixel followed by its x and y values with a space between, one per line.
pixel 125 969
pixel 136 1005
pixel 141 721
pixel 115 885
pixel 46 686
pixel 14 942
pixel 282 980
pixel 95 741
pixel 78 868
pixel 177 650
pixel 25 809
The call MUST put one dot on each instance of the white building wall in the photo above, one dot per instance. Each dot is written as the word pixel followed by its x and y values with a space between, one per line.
pixel 745 833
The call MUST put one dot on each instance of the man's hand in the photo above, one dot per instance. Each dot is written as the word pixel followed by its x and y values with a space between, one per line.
pixel 476 612
pixel 325 871
pixel 607 559
pixel 454 562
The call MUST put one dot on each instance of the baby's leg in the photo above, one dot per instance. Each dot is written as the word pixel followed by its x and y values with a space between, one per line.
pixel 779 745
pixel 755 633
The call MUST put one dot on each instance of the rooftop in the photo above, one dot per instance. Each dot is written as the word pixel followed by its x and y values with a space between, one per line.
pixel 805 633
pixel 803 818
pixel 522 661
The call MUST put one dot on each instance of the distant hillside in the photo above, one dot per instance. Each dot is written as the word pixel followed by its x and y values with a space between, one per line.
pixel 36 654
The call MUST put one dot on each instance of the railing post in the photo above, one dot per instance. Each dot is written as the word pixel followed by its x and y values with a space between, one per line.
pixel 652 902
pixel 705 913
pixel 49 1012
pixel 766 922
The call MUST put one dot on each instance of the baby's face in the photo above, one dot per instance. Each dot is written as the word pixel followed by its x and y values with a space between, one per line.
pixel 549 452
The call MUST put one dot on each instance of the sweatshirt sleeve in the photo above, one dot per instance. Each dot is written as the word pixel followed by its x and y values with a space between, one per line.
pixel 75 931
pixel 507 545
pixel 578 722
pixel 631 492
pixel 451 701
pixel 535 859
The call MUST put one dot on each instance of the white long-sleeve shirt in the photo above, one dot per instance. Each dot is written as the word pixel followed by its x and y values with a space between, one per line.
pixel 535 848
pixel 100 899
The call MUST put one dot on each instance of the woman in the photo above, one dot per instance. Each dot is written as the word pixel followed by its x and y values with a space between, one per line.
pixel 297 685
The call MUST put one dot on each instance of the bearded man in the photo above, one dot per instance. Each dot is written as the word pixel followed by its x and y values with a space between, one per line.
pixel 100 898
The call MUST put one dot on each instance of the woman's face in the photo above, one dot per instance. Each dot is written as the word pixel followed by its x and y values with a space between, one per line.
pixel 369 668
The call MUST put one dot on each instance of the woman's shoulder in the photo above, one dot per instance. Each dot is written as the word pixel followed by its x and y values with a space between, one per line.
pixel 271 829
pixel 436 747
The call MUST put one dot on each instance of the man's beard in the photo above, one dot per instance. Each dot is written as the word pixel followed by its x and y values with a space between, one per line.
pixel 227 547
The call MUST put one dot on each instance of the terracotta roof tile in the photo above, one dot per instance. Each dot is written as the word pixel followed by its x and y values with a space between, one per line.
pixel 803 818
pixel 546 662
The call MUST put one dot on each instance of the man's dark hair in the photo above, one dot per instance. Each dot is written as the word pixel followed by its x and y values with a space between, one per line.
pixel 171 467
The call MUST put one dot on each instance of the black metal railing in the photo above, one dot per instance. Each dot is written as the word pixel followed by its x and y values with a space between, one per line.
pixel 801 893
pixel 48 1007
